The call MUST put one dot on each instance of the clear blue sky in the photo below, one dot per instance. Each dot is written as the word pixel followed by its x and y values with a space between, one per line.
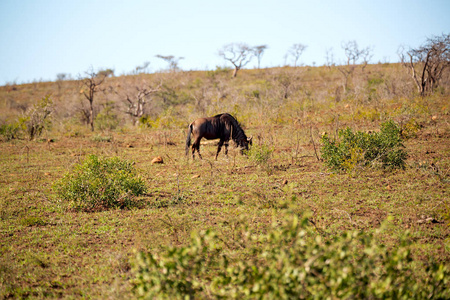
pixel 41 38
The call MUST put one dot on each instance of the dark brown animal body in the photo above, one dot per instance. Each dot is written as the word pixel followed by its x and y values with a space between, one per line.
pixel 223 127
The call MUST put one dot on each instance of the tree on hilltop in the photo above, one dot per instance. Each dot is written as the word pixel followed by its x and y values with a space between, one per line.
pixel 238 54
pixel 296 51
pixel 141 69
pixel 354 57
pixel 171 60
pixel 428 62
pixel 259 51
pixel 106 73
pixel 329 57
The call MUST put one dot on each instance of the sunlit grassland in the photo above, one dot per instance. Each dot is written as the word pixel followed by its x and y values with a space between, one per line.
pixel 48 250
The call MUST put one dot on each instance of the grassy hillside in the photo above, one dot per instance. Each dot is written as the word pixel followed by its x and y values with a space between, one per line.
pixel 51 250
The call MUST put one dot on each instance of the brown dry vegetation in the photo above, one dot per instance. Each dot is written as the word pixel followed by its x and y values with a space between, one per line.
pixel 50 251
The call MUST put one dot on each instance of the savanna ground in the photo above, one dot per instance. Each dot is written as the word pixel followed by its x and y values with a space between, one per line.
pixel 48 250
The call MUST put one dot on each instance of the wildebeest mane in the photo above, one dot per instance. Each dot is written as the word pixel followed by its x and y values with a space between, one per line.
pixel 237 128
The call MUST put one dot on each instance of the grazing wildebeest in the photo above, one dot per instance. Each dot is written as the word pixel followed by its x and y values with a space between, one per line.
pixel 223 127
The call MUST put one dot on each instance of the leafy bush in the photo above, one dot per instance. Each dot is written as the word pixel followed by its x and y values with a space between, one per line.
pixel 101 138
pixel 10 131
pixel 33 221
pixel 169 118
pixel 288 263
pixel 410 128
pixel 178 272
pixel 32 123
pixel 100 183
pixel 365 149
pixel 107 119
pixel 36 118
pixel 260 154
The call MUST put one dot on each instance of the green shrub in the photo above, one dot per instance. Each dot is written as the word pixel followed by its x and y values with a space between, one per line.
pixel 10 131
pixel 100 138
pixel 107 119
pixel 260 154
pixel 32 123
pixel 358 148
pixel 37 118
pixel 218 71
pixel 410 128
pixel 33 221
pixel 100 183
pixel 288 262
pixel 179 273
pixel 169 118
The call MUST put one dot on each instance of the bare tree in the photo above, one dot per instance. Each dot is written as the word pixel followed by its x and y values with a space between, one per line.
pixel 91 84
pixel 354 56
pixel 286 83
pixel 141 69
pixel 137 99
pixel 428 62
pixel 171 60
pixel 285 57
pixel 296 51
pixel 259 51
pixel 238 54
pixel 329 57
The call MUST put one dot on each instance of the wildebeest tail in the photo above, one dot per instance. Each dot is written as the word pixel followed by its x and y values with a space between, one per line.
pixel 188 139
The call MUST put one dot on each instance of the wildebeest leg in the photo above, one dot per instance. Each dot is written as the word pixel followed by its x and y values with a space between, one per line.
pixel 219 147
pixel 196 146
pixel 226 149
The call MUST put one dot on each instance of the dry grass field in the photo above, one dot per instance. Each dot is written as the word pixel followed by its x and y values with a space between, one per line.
pixel 49 250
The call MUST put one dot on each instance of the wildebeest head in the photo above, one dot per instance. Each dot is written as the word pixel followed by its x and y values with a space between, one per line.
pixel 243 143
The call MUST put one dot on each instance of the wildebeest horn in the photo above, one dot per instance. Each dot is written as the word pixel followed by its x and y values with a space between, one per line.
pixel 250 140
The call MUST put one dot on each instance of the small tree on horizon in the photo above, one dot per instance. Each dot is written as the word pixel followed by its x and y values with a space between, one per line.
pixel 238 54
pixel 141 69
pixel 296 51
pixel 106 72
pixel 60 78
pixel 172 61
pixel 354 57
pixel 259 51
pixel 329 58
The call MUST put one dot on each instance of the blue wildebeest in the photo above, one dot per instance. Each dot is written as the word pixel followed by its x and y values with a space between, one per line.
pixel 223 127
